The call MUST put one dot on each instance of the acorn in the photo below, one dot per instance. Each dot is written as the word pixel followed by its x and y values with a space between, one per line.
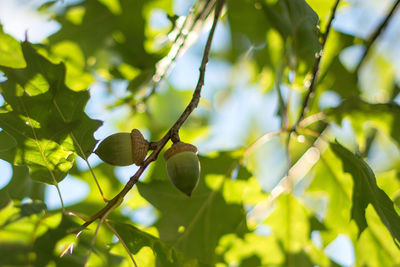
pixel 123 149
pixel 183 166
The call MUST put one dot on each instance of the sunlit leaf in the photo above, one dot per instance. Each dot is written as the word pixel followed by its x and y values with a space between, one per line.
pixel 26 210
pixel 366 191
pixel 100 26
pixel 298 25
pixel 166 255
pixel 282 223
pixel 45 119
pixel 187 223
pixel 375 247
pixel 332 190
pixel 10 51
pixel 77 78
pixel 250 250
pixel 240 214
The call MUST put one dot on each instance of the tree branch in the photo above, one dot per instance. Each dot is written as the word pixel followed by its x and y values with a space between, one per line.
pixel 315 73
pixel 191 24
pixel 376 34
pixel 172 132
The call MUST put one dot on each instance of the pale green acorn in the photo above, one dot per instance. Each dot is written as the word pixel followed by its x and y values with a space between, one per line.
pixel 183 166
pixel 123 149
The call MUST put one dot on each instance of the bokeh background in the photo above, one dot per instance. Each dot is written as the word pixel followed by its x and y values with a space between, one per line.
pixel 239 102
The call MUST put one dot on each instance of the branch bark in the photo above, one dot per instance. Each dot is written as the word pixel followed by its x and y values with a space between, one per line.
pixel 172 132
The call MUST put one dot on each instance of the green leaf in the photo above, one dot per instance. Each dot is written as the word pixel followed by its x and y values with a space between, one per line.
pixel 44 118
pixel 31 208
pixel 20 187
pixel 374 247
pixel 243 173
pixel 334 75
pixel 70 54
pixel 329 185
pixel 289 214
pixel 366 191
pixel 298 25
pixel 338 79
pixel 322 8
pixel 256 24
pixel 26 210
pixel 101 29
pixel 251 249
pixel 44 245
pixel 14 254
pixel 276 32
pixel 140 80
pixel 136 239
pixel 47 161
pixel 386 116
pixel 10 51
pixel 189 223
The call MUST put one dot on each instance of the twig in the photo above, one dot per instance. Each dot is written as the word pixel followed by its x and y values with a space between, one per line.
pixel 172 132
pixel 315 73
pixel 296 173
pixel 180 45
pixel 102 219
pixel 83 155
pixel 376 34
pixel 122 242
pixel 92 243
pixel 263 139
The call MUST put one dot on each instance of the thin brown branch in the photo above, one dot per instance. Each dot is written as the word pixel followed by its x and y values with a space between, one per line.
pixel 172 132
pixel 376 34
pixel 315 72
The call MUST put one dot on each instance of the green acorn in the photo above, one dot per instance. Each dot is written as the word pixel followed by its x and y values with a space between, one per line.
pixel 183 166
pixel 123 149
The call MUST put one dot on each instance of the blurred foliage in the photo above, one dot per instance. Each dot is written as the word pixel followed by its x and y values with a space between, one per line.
pixel 260 201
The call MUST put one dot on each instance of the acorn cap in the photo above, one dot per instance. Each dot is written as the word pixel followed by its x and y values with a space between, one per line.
pixel 178 148
pixel 140 146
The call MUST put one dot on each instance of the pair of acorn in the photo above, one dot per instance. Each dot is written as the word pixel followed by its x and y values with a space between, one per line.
pixel 123 149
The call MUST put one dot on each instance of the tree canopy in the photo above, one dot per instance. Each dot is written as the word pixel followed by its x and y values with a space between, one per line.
pixel 293 107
